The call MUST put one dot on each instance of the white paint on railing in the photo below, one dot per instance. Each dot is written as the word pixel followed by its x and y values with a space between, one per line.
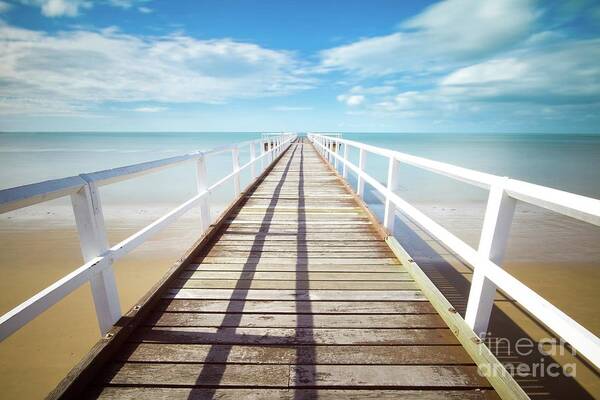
pixel 87 208
pixel 252 159
pixel 235 157
pixel 362 160
pixel 344 162
pixel 492 245
pixel 94 243
pixel 202 185
pixel 487 274
pixel 393 183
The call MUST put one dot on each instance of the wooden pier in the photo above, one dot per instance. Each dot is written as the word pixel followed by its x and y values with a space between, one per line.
pixel 292 293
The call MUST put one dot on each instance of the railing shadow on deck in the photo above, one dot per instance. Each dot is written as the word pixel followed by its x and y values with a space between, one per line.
pixel 215 363
pixel 304 318
pixel 455 287
pixel 218 355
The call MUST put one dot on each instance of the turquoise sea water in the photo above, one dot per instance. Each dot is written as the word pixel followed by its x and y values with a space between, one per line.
pixel 567 162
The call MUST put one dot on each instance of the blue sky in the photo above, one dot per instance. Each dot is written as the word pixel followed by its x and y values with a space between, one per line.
pixel 397 66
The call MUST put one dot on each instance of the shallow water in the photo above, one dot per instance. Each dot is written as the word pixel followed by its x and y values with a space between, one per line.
pixel 38 245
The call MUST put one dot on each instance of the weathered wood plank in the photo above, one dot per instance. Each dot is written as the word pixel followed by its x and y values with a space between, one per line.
pixel 297 336
pixel 290 285
pixel 294 295
pixel 196 375
pixel 293 320
pixel 313 276
pixel 157 393
pixel 418 376
pixel 291 261
pixel 293 307
pixel 332 355
pixel 292 240
pixel 299 255
pixel 292 267
pixel 387 376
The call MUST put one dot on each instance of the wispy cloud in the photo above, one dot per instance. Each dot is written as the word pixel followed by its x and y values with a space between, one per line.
pixel 59 8
pixel 4 6
pixel 448 32
pixel 351 99
pixel 566 73
pixel 72 8
pixel 463 57
pixel 91 67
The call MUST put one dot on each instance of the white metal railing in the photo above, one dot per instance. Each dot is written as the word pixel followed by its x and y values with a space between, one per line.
pixel 486 260
pixel 97 253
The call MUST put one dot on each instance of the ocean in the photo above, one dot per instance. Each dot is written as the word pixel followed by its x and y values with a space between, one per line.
pixel 38 245
pixel 567 162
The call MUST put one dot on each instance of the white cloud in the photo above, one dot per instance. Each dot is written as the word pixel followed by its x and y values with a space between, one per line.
pixel 59 8
pixel 145 10
pixel 446 32
pixel 72 8
pixel 4 6
pixel 351 100
pixel 149 109
pixel 88 68
pixel 372 89
pixel 559 82
pixel 565 73
pixel 126 4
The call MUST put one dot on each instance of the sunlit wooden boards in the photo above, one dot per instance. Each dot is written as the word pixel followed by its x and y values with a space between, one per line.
pixel 297 298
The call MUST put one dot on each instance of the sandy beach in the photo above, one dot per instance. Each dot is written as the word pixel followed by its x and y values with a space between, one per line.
pixel 34 255
pixel 38 246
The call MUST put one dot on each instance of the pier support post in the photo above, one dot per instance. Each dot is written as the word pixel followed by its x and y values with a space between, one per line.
pixel 253 160
pixel 492 245
pixel 235 155
pixel 202 184
pixel 393 184
pixel 362 160
pixel 94 242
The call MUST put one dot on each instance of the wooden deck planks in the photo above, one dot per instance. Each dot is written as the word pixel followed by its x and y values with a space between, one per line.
pixel 297 297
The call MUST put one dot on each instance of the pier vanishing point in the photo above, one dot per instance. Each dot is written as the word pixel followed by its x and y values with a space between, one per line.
pixel 297 290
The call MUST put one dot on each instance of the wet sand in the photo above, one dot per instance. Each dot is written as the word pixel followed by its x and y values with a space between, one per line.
pixel 35 254
pixel 37 357
pixel 567 274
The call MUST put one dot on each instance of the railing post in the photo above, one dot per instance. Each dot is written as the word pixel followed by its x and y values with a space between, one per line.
pixel 253 160
pixel 202 183
pixel 392 185
pixel 262 151
pixel 94 242
pixel 362 159
pixel 345 166
pixel 235 155
pixel 492 245
pixel 337 147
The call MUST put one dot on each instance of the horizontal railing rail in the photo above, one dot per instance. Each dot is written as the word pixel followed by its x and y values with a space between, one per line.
pixel 98 255
pixel 487 259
